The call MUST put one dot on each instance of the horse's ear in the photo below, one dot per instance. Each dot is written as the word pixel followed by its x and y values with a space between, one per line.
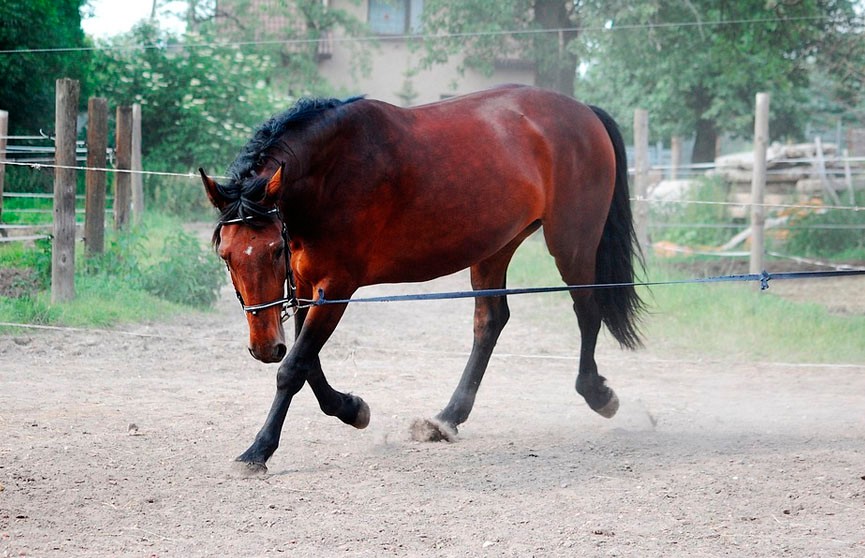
pixel 212 189
pixel 274 188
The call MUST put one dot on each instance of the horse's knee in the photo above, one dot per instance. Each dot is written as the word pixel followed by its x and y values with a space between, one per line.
pixel 291 377
pixel 491 322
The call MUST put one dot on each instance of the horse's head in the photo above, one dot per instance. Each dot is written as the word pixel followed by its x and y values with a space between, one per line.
pixel 251 241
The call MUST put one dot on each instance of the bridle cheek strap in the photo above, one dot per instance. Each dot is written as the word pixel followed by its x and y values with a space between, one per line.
pixel 288 302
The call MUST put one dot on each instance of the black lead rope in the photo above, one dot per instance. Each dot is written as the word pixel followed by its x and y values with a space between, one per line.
pixel 292 302
pixel 763 278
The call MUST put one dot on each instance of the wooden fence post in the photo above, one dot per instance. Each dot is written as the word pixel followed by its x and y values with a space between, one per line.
pixel 641 177
pixel 758 182
pixel 4 131
pixel 137 178
pixel 94 203
pixel 63 248
pixel 122 178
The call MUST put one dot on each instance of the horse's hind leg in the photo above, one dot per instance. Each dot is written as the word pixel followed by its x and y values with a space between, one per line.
pixel 578 268
pixel 491 315
pixel 591 385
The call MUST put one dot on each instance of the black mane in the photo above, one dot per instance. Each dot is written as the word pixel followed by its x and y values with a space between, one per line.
pixel 304 112
pixel 244 189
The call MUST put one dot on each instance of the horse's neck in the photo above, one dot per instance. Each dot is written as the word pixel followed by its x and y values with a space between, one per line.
pixel 306 150
pixel 308 155
pixel 341 157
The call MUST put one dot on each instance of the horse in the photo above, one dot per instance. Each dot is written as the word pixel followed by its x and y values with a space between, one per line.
pixel 333 195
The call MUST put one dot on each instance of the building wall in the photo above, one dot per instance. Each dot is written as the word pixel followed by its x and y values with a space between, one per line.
pixel 391 63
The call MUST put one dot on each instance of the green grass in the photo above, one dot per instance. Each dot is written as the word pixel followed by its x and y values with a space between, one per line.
pixel 98 302
pixel 726 321
pixel 119 287
pixel 20 211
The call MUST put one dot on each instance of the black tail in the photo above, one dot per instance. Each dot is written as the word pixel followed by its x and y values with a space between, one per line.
pixel 618 252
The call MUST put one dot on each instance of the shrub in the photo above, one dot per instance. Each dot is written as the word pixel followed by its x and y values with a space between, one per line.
pixel 190 274
pixel 121 258
pixel 39 260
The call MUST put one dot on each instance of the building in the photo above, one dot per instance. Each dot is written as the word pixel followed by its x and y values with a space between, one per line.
pixel 393 72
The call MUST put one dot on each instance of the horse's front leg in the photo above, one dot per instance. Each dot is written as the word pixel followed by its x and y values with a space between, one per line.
pixel 301 364
pixel 347 407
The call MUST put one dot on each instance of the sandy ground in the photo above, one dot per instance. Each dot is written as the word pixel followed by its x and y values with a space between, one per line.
pixel 122 445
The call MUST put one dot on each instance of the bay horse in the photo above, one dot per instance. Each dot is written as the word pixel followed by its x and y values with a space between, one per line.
pixel 334 195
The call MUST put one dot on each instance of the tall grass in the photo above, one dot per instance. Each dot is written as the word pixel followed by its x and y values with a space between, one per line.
pixel 724 321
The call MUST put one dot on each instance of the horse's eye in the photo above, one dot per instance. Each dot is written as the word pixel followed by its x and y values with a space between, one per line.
pixel 277 253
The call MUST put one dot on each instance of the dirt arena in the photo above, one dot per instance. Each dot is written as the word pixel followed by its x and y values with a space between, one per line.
pixel 122 445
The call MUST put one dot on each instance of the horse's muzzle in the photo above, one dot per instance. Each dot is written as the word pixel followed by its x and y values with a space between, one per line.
pixel 274 354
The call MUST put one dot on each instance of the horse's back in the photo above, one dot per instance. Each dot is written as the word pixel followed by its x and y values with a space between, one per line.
pixel 459 179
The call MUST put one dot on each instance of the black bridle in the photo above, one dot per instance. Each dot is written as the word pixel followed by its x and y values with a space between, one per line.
pixel 289 300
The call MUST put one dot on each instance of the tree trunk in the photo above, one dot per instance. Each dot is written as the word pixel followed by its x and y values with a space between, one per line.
pixel 555 66
pixel 699 101
pixel 705 142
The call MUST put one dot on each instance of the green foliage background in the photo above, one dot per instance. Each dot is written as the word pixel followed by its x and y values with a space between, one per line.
pixel 701 75
pixel 27 83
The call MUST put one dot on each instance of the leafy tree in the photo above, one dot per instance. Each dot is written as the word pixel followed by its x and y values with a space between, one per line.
pixel 200 102
pixel 697 64
pixel 27 85
pixel 545 33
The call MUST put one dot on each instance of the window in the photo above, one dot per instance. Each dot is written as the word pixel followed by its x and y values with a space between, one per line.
pixel 395 17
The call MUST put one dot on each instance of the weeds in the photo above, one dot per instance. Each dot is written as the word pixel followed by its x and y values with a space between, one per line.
pixel 187 275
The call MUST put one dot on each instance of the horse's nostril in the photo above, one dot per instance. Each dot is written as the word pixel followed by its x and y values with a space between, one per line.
pixel 280 351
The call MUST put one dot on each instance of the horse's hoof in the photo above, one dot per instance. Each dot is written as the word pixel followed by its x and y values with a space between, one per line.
pixel 612 406
pixel 431 430
pixel 361 420
pixel 249 468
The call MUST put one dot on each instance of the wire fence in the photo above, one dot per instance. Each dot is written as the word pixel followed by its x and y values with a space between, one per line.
pixel 194 176
pixel 608 27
